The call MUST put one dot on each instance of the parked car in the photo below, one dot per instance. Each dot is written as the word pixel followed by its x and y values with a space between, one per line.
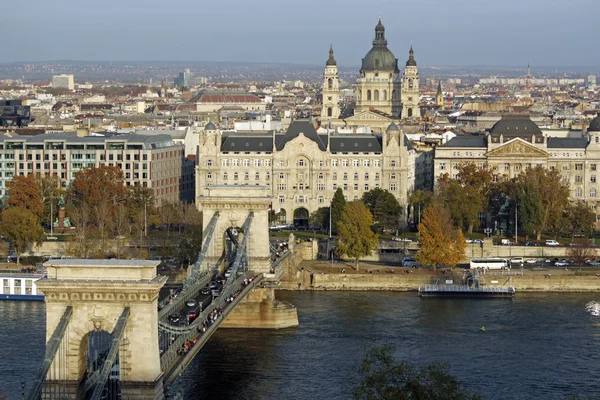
pixel 516 261
pixel 409 262
pixel 205 290
pixel 531 243
pixel 507 242
pixel 561 263
pixel 552 243
pixel 531 261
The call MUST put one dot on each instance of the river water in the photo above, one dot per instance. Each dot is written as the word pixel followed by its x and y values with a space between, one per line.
pixel 542 346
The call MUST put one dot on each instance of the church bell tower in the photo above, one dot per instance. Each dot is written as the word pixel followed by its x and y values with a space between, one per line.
pixel 331 90
pixel 410 89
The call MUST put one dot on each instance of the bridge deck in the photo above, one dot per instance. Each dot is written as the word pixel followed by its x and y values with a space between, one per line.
pixel 174 369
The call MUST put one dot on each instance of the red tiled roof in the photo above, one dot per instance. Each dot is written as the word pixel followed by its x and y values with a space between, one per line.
pixel 233 98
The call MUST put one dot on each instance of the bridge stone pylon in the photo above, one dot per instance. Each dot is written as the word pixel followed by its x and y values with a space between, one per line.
pixel 98 291
pixel 234 204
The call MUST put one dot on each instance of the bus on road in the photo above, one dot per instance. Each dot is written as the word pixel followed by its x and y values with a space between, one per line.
pixel 489 263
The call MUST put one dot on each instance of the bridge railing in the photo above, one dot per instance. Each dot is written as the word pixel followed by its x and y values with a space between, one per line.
pixel 174 363
pixel 172 338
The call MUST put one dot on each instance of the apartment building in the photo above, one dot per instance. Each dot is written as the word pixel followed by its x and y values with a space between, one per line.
pixel 156 162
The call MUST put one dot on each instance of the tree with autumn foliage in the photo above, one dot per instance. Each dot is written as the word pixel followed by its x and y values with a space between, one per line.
pixel 442 244
pixel 24 192
pixel 96 185
pixel 467 194
pixel 21 227
pixel 356 239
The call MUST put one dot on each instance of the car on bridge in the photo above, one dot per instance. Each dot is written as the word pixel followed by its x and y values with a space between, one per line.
pixel 191 303
pixel 175 318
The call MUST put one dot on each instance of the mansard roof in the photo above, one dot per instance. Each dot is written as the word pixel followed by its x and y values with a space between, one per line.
pixel 567 143
pixel 294 130
pixel 355 143
pixel 466 141
pixel 250 143
pixel 515 125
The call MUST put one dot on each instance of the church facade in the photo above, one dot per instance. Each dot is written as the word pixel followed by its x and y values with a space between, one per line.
pixel 383 94
pixel 302 169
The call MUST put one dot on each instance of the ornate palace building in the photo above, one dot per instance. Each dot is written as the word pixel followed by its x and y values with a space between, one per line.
pixel 303 169
pixel 515 143
pixel 382 94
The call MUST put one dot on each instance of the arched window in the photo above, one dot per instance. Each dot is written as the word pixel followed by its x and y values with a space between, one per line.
pixel 394 94
pixel 597 139
pixel 330 83
pixel 376 95
pixel 329 112
pixel 578 192
pixel 410 83
pixel 409 112
pixel 384 95
pixel 369 94
pixel 592 192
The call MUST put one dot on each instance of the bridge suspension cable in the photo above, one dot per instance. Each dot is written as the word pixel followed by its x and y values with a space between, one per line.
pixel 51 350
pixel 117 334
pixel 172 338
pixel 197 280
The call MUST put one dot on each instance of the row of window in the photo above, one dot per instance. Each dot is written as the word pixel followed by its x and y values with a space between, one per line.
pixel 518 167
pixel 282 176
pixel 304 199
pixel 235 162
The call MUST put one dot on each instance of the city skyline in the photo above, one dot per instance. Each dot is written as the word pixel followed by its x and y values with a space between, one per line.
pixel 461 32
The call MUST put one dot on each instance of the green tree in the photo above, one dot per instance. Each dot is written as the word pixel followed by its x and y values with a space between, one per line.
pixel 24 192
pixel 356 239
pixel 21 227
pixel 338 204
pixel 382 377
pixel 581 217
pixel 542 198
pixel 384 208
pixel 441 242
pixel 419 200
pixel 320 218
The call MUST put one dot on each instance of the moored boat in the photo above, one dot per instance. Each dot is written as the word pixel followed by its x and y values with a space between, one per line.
pixel 20 286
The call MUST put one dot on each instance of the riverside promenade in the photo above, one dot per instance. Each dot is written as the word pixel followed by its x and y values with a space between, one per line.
pixel 322 275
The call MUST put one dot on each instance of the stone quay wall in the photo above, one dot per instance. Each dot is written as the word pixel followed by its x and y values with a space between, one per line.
pixel 410 282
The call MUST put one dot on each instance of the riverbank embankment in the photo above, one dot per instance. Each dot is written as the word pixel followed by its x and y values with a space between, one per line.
pixel 319 275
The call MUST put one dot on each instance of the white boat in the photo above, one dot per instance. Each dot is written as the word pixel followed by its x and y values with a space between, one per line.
pixel 20 286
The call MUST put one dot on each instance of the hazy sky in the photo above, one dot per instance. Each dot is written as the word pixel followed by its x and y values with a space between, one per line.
pixel 443 32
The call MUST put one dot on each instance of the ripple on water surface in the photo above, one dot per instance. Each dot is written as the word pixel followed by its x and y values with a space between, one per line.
pixel 534 347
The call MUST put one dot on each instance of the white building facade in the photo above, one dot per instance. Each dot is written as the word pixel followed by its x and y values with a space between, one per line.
pixel 303 169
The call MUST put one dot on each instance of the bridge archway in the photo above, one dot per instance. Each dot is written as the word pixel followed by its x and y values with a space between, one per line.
pixel 234 205
pixel 98 291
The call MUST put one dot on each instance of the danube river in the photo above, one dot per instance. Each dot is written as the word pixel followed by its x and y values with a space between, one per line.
pixel 543 346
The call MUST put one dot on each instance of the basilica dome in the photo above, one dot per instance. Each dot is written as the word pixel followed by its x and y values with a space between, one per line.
pixel 594 125
pixel 379 58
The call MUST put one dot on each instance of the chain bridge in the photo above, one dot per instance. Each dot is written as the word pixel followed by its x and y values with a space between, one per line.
pixel 109 335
